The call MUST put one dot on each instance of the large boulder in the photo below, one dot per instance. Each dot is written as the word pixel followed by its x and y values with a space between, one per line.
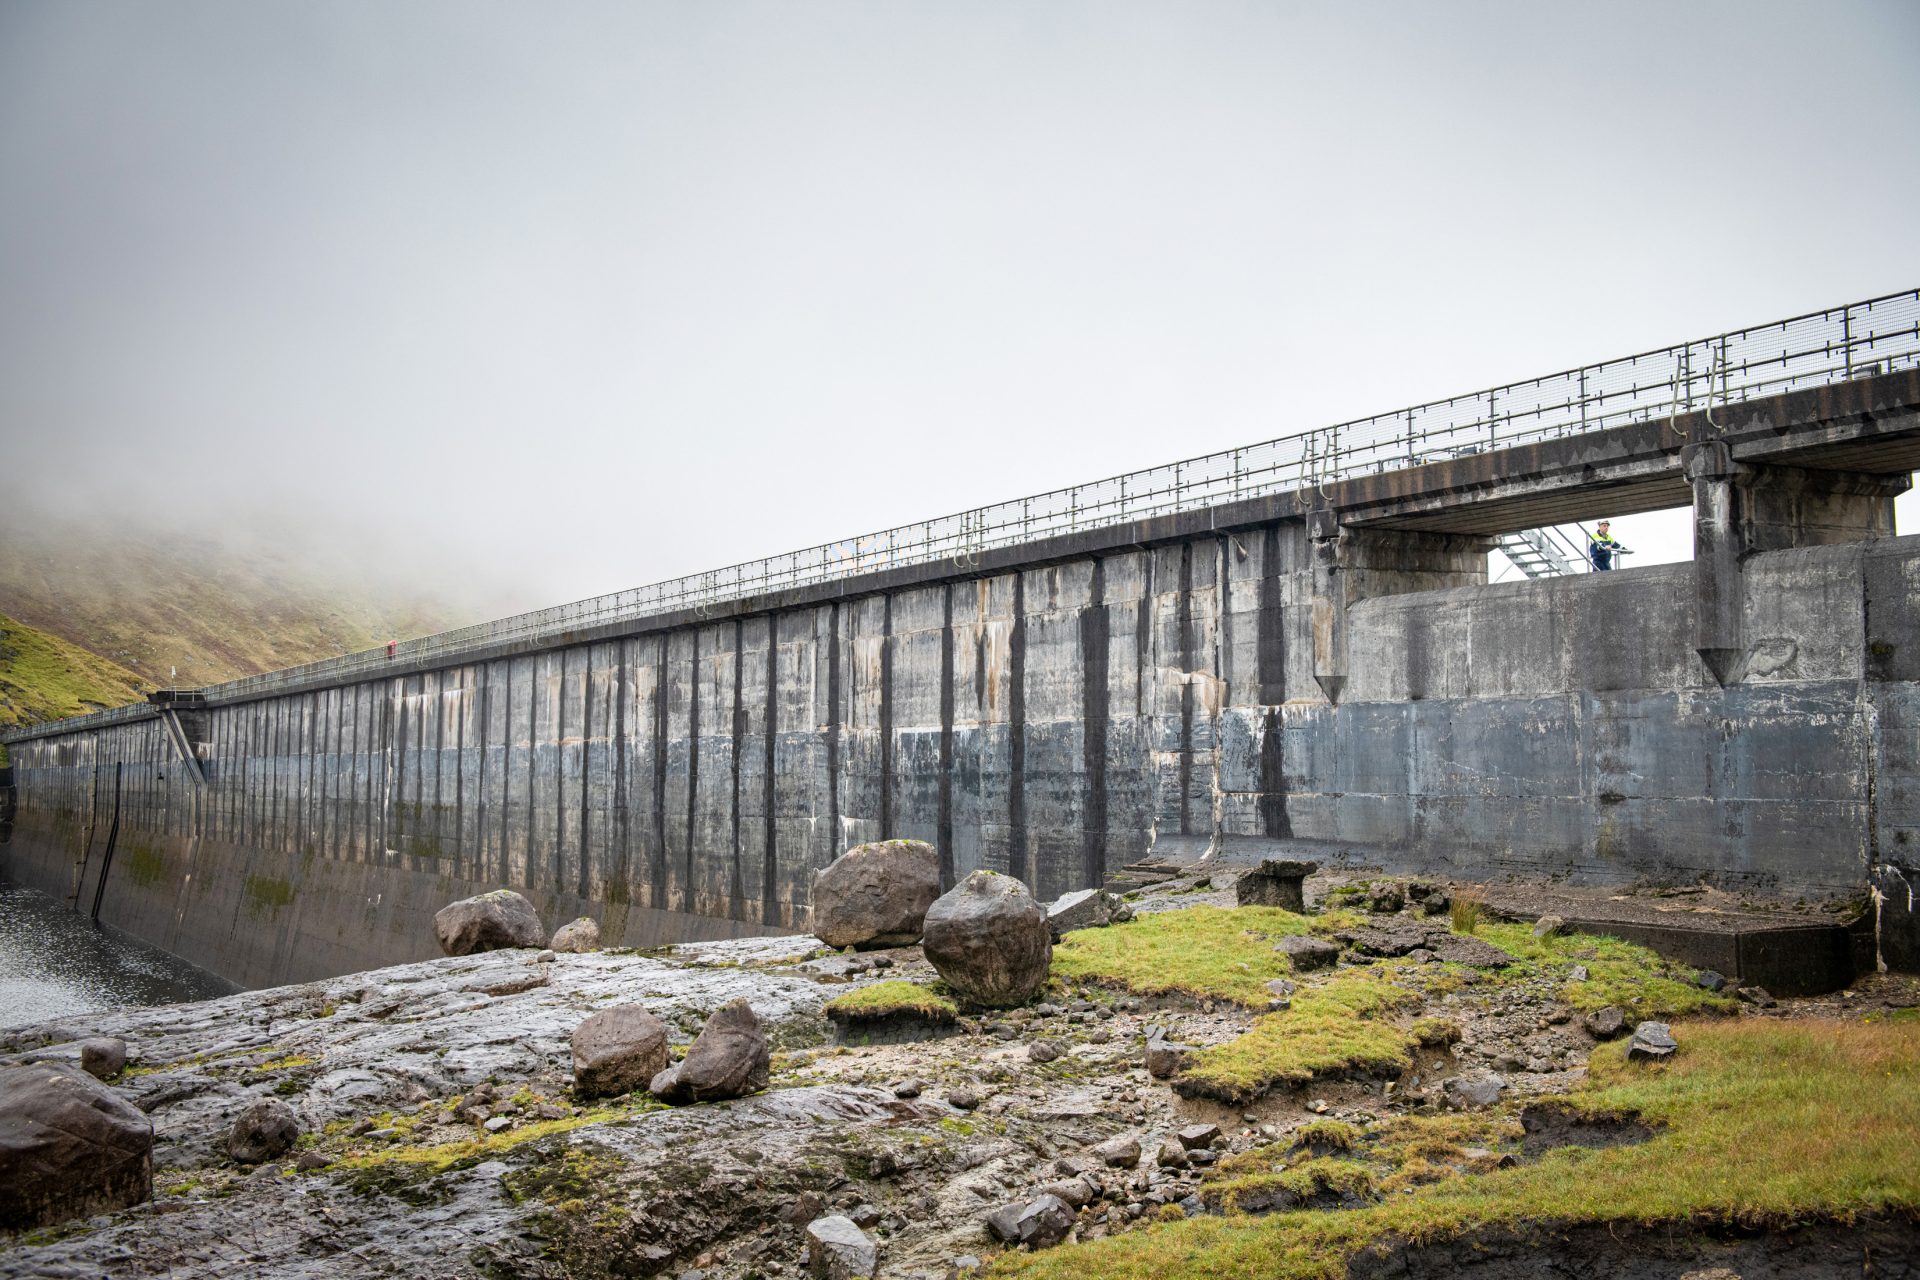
pixel 489 922
pixel 69 1147
pixel 728 1059
pixel 875 895
pixel 577 936
pixel 618 1050
pixel 266 1130
pixel 990 940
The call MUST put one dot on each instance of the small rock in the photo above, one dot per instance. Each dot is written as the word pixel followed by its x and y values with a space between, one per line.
pixel 1651 1041
pixel 542 957
pixel 1308 953
pixel 1482 1158
pixel 1073 1191
pixel 266 1130
pixel 103 1057
pixel 1172 1155
pixel 1386 898
pixel 548 1111
pixel 883 962
pixel 1122 1152
pixel 1203 1156
pixel 1198 1135
pixel 1280 987
pixel 309 1161
pixel 1080 909
pixel 1756 996
pixel 864 1215
pixel 962 1265
pixel 1100 1035
pixel 1165 1057
pixel 488 922
pixel 1039 1223
pixel 963 1099
pixel 1318 1107
pixel 577 936
pixel 497 1123
pixel 908 1088
pixel 1043 1051
pixel 1478 1089
pixel 1579 973
pixel 1708 980
pixel 1276 882
pixel 806 1206
pixel 1547 926
pixel 839 1250
pixel 1607 1024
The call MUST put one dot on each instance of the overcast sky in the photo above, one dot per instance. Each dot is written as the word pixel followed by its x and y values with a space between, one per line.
pixel 578 296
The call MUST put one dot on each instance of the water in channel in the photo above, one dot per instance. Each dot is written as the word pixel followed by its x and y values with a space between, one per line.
pixel 56 963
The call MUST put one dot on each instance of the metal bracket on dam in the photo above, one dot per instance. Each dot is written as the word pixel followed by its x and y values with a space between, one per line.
pixel 1289 646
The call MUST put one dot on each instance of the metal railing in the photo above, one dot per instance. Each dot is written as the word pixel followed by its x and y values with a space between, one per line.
pixel 1878 335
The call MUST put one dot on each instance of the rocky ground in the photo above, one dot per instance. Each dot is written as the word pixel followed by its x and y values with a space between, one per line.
pixel 441 1138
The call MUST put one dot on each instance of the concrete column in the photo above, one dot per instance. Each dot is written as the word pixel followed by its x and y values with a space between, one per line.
pixel 1740 509
pixel 1718 547
pixel 1329 603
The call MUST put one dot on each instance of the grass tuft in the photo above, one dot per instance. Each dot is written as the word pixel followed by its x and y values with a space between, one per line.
pixel 1619 973
pixel 1205 952
pixel 1758 1123
pixel 891 998
pixel 1335 1029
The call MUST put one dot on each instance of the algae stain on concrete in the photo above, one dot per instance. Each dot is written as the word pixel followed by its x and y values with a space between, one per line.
pixel 146 865
pixel 267 894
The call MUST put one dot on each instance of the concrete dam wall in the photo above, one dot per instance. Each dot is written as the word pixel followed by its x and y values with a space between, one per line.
pixel 1055 724
pixel 1325 671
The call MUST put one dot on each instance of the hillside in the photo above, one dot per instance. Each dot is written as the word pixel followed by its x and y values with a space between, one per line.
pixel 96 615
pixel 42 677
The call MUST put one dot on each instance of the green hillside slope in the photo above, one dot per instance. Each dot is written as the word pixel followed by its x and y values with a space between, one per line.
pixel 42 677
pixel 187 609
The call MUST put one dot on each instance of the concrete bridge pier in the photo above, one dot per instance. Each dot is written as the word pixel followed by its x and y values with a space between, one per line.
pixel 1353 563
pixel 1741 509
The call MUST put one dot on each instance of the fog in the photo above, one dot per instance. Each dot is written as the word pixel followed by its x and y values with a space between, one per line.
pixel 559 299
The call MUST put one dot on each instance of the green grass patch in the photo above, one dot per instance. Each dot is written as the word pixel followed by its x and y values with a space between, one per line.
pixel 1335 1029
pixel 894 997
pixel 1619 973
pixel 43 677
pixel 1205 952
pixel 437 1157
pixel 1760 1123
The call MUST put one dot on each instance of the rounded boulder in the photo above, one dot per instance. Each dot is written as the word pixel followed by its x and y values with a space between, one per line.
pixel 875 895
pixel 488 922
pixel 990 940
pixel 578 936
pixel 266 1130
pixel 618 1050
pixel 69 1148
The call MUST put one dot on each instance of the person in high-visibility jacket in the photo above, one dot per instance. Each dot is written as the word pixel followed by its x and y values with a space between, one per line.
pixel 1603 549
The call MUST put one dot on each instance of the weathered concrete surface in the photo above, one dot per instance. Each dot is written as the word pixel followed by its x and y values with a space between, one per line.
pixel 1163 689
